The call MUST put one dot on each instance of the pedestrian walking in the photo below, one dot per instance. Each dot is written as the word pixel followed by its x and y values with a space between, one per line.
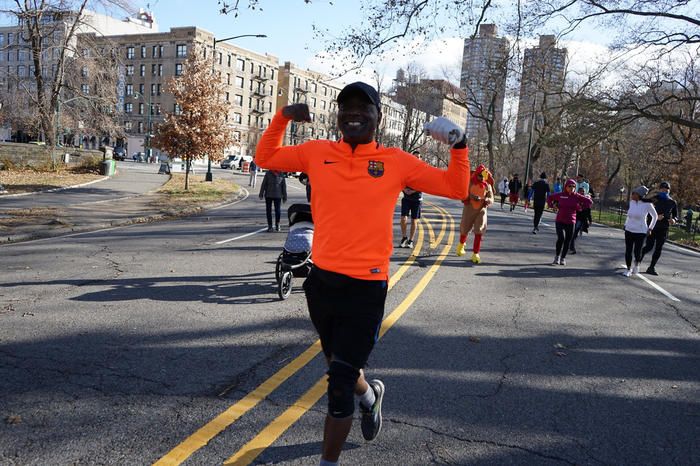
pixel 540 191
pixel 253 177
pixel 527 191
pixel 583 222
pixel 582 183
pixel 667 211
pixel 557 186
pixel 514 187
pixel 474 211
pixel 410 205
pixel 688 218
pixel 637 228
pixel 503 190
pixel 273 189
pixel 566 204
pixel 347 286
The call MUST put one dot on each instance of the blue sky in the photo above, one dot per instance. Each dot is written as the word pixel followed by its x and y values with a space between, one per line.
pixel 287 23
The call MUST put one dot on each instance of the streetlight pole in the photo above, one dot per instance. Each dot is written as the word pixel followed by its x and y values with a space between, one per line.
pixel 209 176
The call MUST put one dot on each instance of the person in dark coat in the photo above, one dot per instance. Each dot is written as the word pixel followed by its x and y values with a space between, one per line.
pixel 540 190
pixel 514 186
pixel 667 211
pixel 274 190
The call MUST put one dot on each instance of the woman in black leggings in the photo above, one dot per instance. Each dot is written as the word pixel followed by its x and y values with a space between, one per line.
pixel 566 204
pixel 637 229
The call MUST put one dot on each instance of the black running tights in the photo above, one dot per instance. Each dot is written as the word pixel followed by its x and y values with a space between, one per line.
pixel 656 242
pixel 633 241
pixel 565 231
pixel 539 208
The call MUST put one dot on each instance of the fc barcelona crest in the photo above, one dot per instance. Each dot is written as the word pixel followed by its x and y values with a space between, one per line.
pixel 375 168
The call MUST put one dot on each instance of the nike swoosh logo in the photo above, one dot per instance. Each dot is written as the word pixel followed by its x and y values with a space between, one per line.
pixel 326 162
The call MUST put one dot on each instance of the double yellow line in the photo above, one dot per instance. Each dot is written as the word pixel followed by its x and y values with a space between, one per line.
pixel 277 427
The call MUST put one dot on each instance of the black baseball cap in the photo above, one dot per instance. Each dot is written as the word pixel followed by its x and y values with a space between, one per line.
pixel 364 90
pixel 665 185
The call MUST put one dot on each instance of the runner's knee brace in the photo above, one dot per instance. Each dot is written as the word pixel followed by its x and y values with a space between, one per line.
pixel 341 389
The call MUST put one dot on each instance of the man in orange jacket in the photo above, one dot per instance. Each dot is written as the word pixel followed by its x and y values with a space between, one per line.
pixel 347 286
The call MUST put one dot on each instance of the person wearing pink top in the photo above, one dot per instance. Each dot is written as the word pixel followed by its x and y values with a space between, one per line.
pixel 566 204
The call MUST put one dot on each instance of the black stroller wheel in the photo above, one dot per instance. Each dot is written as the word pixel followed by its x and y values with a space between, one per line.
pixel 285 285
pixel 278 269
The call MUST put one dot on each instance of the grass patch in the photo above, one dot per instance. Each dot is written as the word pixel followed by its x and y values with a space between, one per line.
pixel 199 192
pixel 29 180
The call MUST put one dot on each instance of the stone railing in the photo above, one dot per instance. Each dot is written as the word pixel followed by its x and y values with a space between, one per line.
pixel 31 155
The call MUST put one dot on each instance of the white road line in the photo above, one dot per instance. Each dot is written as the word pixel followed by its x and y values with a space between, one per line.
pixel 242 236
pixel 655 286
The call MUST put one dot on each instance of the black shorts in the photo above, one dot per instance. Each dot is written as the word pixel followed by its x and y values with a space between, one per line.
pixel 347 313
pixel 410 206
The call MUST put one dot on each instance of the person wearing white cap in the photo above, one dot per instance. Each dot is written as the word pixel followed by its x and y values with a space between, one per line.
pixel 637 229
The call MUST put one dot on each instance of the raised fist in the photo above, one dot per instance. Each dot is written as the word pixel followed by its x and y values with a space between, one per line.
pixel 443 130
pixel 297 112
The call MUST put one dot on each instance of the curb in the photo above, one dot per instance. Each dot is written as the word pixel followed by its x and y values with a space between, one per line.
pixel 185 212
pixel 55 190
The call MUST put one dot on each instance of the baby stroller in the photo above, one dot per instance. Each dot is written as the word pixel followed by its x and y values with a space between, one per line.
pixel 295 259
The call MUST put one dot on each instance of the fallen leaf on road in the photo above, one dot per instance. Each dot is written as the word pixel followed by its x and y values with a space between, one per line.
pixel 474 339
pixel 13 419
pixel 559 346
pixel 27 314
pixel 561 354
pixel 674 386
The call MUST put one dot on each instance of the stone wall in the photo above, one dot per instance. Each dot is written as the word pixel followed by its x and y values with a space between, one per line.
pixel 32 155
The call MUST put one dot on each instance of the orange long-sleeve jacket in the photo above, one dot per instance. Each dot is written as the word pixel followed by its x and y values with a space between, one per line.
pixel 354 194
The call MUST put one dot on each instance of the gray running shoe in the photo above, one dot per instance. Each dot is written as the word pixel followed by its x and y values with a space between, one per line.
pixel 372 418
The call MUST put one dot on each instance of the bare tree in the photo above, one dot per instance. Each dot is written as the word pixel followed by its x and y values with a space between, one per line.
pixel 48 32
pixel 198 125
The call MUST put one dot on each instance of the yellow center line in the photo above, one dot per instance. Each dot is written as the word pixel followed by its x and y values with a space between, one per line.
pixel 276 428
pixel 207 432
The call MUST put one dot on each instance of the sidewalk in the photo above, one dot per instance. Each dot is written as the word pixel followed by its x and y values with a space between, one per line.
pixel 127 198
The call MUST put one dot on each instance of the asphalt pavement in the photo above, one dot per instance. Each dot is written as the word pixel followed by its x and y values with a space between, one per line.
pixel 166 343
pixel 128 197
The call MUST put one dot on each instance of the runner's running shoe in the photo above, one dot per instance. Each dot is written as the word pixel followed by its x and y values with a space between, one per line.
pixel 460 249
pixel 404 242
pixel 475 258
pixel 372 418
pixel 556 260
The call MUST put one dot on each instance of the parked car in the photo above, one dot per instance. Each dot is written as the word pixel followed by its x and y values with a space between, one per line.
pixel 230 161
pixel 139 157
pixel 119 153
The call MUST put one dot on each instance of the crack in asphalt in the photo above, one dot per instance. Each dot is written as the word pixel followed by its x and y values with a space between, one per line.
pixel 684 318
pixel 249 373
pixel 482 441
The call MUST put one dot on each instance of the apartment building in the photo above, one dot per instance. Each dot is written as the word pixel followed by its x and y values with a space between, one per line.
pixel 297 85
pixel 483 81
pixel 151 60
pixel 401 126
pixel 17 81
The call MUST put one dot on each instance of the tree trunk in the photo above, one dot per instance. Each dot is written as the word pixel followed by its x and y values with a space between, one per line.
pixel 187 173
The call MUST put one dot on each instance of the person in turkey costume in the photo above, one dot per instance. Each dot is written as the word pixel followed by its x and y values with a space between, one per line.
pixel 474 212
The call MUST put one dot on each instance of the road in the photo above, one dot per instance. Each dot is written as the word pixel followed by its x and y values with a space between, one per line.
pixel 167 343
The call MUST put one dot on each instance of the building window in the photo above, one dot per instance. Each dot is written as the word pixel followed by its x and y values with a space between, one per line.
pixel 129 89
pixel 237 118
pixel 228 97
pixel 221 58
pixel 141 106
pixel 85 89
pixel 313 102
pixel 143 51
pixel 153 89
pixel 228 78
pixel 154 51
pixel 84 71
pixel 177 110
pixel 240 64
pixel 128 108
pixel 154 69
pixel 160 51
pixel 238 99
pixel 160 70
pixel 140 126
pixel 178 69
pixel 127 125
pixel 181 51
pixel 130 53
pixel 142 71
pixel 129 70
pixel 229 61
pixel 239 82
pixel 158 88
pixel 141 88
